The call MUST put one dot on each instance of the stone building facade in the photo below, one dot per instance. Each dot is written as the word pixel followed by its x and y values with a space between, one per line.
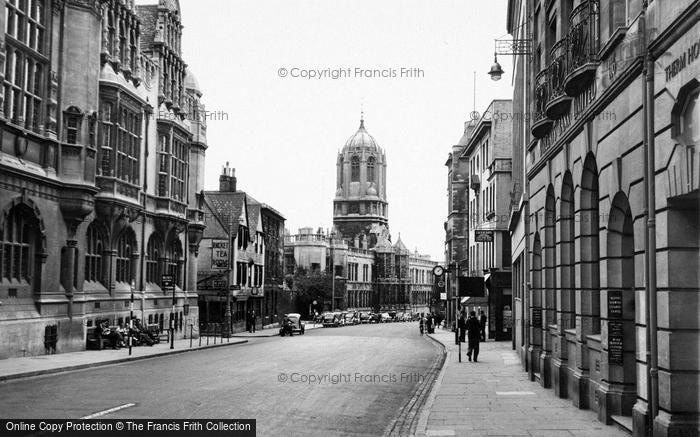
pixel 609 294
pixel 103 143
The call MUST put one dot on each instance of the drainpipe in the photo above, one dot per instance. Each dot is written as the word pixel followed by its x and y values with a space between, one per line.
pixel 526 198
pixel 650 236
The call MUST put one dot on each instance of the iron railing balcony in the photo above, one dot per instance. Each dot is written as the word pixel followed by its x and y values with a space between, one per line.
pixel 541 124
pixel 558 102
pixel 583 46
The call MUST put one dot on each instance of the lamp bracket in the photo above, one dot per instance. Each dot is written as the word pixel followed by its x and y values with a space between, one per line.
pixel 513 46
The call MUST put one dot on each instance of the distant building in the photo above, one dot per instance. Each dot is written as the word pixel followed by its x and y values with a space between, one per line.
pixel 370 272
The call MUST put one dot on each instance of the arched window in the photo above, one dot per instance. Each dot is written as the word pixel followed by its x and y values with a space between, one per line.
pixel 370 169
pixel 589 247
pixel 126 246
pixel 173 262
pixel 153 252
pixel 20 237
pixel 355 169
pixel 94 247
pixel 690 120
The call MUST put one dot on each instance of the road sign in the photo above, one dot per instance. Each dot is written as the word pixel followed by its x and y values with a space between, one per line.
pixel 167 282
pixel 443 296
pixel 441 284
pixel 483 236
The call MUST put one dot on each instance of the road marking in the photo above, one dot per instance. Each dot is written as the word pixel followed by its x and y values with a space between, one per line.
pixel 515 393
pixel 440 432
pixel 111 410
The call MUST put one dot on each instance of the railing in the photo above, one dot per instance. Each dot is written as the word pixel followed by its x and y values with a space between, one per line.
pixel 541 95
pixel 558 68
pixel 584 34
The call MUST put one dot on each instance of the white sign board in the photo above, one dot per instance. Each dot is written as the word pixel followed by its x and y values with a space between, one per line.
pixel 219 254
pixel 443 296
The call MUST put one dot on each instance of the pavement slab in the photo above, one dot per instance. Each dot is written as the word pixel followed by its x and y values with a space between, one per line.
pixel 494 397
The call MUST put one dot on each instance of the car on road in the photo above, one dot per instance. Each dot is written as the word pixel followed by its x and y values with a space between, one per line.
pixel 331 320
pixel 297 326
pixel 399 317
pixel 384 318
pixel 376 318
pixel 350 319
pixel 365 317
pixel 408 317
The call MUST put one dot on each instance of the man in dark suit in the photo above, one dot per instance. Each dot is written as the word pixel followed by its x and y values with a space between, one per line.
pixel 482 320
pixel 473 335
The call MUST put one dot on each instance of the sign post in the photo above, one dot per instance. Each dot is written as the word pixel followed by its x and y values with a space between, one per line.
pixel 168 283
pixel 131 313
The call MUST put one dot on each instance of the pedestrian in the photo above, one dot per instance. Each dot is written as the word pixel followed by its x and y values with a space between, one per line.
pixel 422 324
pixel 252 321
pixel 462 326
pixel 474 335
pixel 429 324
pixel 482 321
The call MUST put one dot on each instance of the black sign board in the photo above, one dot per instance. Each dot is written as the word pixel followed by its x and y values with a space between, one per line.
pixel 615 342
pixel 615 304
pixel 167 282
pixel 537 317
pixel 483 236
pixel 470 287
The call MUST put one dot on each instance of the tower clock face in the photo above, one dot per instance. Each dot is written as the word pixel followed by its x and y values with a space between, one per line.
pixel 438 270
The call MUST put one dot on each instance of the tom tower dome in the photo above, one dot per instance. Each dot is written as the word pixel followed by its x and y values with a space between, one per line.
pixel 360 207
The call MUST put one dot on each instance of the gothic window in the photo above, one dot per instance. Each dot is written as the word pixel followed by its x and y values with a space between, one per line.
pixel 122 43
pixel 153 253
pixel 370 169
pixel 106 146
pixel 20 244
pixel 173 262
pixel 93 254
pixel 72 120
pixel 163 165
pixel 126 246
pixel 178 170
pixel 128 146
pixel 355 169
pixel 25 65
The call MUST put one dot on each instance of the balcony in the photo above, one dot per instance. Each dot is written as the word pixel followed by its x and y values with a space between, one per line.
pixel 541 124
pixel 558 102
pixel 583 47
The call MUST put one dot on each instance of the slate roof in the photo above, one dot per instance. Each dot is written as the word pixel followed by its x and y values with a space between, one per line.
pixel 227 206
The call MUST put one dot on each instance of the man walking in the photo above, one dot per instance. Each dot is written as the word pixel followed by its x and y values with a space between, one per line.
pixel 473 335
pixel 482 320
pixel 462 326
pixel 252 321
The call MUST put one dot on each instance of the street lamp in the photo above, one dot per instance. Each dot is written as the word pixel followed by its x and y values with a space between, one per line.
pixel 496 71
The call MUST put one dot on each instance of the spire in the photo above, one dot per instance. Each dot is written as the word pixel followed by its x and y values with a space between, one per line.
pixel 362 116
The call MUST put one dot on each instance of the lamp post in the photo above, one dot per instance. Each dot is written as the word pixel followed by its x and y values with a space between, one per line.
pixel 131 313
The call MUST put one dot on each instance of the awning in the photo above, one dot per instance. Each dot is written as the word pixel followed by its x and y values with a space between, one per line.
pixel 241 298
pixel 463 301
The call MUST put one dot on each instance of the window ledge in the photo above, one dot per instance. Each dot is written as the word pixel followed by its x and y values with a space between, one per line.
pixel 613 41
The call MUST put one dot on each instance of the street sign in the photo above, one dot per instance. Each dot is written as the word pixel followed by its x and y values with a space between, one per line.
pixel 483 236
pixel 167 282
pixel 443 296
pixel 219 254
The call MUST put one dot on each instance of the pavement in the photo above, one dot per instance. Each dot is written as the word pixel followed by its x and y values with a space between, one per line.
pixel 495 397
pixel 25 367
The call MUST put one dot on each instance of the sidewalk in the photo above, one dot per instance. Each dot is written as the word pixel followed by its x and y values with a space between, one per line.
pixel 15 368
pixel 494 397
pixel 270 331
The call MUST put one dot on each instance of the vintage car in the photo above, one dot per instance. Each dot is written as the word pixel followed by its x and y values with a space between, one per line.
pixel 294 326
pixel 385 318
pixel 351 319
pixel 331 320
pixel 365 317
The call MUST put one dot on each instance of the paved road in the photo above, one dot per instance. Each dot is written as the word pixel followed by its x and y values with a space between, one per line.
pixel 331 381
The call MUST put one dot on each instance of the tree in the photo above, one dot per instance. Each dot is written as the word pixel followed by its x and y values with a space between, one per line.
pixel 312 286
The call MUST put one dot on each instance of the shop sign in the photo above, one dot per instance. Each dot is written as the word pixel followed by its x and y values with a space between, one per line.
pixel 219 254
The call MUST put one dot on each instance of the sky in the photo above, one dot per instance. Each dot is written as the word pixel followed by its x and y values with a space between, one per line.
pixel 282 132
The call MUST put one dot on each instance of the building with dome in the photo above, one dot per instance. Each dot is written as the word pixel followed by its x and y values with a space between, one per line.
pixel 360 206
pixel 102 167
pixel 371 273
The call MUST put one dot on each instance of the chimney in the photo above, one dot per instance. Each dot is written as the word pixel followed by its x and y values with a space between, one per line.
pixel 227 180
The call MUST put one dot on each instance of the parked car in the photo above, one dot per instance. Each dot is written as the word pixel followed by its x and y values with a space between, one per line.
pixel 384 318
pixel 294 326
pixel 331 320
pixel 399 317
pixel 392 315
pixel 376 318
pixel 350 319
pixel 365 317
pixel 407 317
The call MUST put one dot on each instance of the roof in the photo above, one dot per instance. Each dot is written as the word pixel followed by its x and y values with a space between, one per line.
pixel 191 82
pixel 399 246
pixel 362 139
pixel 228 207
pixel 253 216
